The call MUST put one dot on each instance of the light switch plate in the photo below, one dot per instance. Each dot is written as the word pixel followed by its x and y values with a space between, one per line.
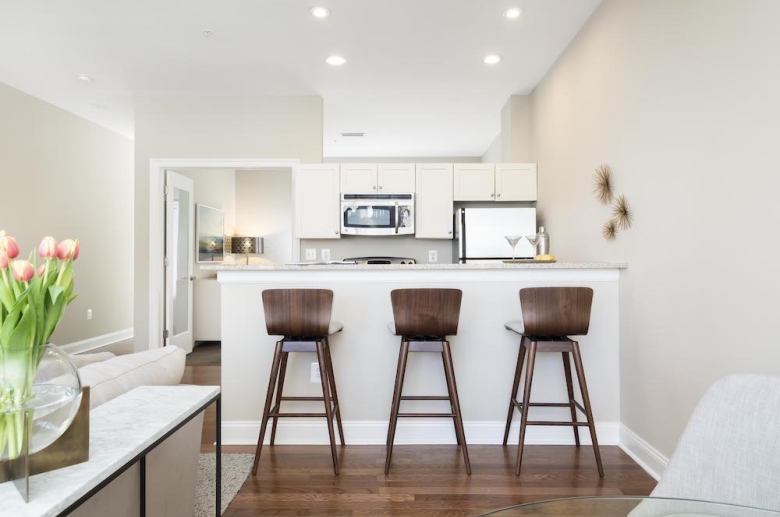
pixel 325 254
pixel 315 372
pixel 433 256
pixel 311 253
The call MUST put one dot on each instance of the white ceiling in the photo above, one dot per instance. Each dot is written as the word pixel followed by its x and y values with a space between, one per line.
pixel 415 82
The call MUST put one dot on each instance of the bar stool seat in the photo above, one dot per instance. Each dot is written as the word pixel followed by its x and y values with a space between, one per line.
pixel 423 320
pixel 550 315
pixel 301 317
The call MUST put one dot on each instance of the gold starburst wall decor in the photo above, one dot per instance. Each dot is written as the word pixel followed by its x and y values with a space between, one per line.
pixel 604 184
pixel 621 210
pixel 609 230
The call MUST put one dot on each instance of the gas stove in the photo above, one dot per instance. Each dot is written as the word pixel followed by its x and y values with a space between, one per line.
pixel 381 260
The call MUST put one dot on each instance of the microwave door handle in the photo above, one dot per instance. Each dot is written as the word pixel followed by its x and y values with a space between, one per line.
pixel 396 217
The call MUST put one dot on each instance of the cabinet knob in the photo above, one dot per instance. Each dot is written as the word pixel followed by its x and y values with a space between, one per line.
pixel 374 187
pixel 498 195
pixel 493 195
pixel 450 232
pixel 381 187
pixel 337 233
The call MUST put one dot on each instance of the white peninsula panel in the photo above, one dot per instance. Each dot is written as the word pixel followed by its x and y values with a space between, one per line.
pixel 365 354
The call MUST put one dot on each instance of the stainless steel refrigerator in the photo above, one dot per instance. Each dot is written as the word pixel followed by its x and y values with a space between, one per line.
pixel 480 233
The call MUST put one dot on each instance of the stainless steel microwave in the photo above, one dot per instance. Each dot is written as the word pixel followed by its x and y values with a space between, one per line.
pixel 377 214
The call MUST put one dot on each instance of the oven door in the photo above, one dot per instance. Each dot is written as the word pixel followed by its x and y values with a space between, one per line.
pixel 384 214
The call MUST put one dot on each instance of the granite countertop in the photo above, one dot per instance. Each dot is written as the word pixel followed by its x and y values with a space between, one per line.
pixel 416 267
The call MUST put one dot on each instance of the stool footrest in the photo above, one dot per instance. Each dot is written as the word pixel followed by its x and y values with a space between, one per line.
pixel 519 405
pixel 425 415
pixel 556 423
pixel 303 399
pixel 424 397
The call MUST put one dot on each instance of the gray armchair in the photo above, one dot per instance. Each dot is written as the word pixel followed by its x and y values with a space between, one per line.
pixel 730 449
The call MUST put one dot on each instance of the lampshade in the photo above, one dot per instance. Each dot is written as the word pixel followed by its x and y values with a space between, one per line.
pixel 246 245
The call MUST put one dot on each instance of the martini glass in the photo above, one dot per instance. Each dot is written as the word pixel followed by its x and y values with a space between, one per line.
pixel 513 240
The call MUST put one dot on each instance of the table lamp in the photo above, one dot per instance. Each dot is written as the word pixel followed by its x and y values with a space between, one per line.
pixel 246 245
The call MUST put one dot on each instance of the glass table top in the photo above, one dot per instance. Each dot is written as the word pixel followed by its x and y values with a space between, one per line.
pixel 628 507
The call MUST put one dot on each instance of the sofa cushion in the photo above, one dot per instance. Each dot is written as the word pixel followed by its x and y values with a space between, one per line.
pixel 82 360
pixel 113 377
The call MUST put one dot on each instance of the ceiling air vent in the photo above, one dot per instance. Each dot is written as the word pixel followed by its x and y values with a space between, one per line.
pixel 353 134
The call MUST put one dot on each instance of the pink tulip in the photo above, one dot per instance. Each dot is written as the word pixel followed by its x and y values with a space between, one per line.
pixel 23 270
pixel 47 249
pixel 8 245
pixel 3 260
pixel 68 249
pixel 41 269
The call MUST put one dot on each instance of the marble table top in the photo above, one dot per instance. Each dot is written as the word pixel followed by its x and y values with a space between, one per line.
pixel 119 430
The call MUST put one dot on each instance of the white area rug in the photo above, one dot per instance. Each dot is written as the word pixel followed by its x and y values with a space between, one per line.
pixel 235 470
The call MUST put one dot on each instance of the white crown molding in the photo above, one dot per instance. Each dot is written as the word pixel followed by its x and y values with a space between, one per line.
pixel 92 343
pixel 421 432
pixel 647 456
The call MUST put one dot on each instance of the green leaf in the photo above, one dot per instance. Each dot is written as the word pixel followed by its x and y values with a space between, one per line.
pixel 24 333
pixel 9 325
pixel 53 318
pixel 55 291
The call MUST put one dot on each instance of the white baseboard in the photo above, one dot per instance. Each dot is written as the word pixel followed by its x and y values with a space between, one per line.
pixel 92 343
pixel 647 456
pixel 419 432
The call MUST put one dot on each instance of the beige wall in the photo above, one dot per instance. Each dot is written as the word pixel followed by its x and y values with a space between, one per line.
pixel 493 153
pixel 516 130
pixel 213 127
pixel 215 188
pixel 66 177
pixel 264 208
pixel 680 97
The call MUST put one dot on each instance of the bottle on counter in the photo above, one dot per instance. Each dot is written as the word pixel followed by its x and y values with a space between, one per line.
pixel 542 242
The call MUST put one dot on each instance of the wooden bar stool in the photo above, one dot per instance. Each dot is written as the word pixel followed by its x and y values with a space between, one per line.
pixel 550 314
pixel 423 319
pixel 302 318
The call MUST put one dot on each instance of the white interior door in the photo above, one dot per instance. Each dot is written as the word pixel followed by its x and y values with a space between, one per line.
pixel 179 246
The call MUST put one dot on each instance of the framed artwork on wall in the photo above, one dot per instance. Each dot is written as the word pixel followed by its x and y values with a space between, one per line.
pixel 210 228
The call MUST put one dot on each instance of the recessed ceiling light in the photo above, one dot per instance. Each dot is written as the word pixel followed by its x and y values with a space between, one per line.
pixel 335 60
pixel 84 77
pixel 320 12
pixel 492 59
pixel 353 134
pixel 513 13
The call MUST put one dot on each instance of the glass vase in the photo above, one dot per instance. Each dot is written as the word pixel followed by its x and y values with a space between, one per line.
pixel 40 394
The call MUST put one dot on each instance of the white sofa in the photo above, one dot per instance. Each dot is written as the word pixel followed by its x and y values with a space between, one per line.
pixel 172 467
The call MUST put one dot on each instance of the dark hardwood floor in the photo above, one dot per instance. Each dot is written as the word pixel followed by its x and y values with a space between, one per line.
pixel 425 481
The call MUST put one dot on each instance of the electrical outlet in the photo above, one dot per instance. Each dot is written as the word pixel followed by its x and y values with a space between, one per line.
pixel 433 256
pixel 315 372
pixel 89 314
pixel 311 253
pixel 325 254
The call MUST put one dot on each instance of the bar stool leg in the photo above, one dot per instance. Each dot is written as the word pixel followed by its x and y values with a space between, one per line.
pixel 268 399
pixel 332 378
pixel 456 403
pixel 399 387
pixel 515 385
pixel 570 391
pixel 586 403
pixel 323 361
pixel 529 377
pixel 449 393
pixel 279 388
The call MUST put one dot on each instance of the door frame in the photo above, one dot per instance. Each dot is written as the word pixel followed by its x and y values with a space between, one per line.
pixel 156 277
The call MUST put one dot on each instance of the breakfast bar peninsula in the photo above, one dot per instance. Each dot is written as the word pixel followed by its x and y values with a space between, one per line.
pixel 365 353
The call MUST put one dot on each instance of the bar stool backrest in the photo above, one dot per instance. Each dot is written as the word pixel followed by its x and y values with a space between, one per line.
pixel 556 311
pixel 426 312
pixel 297 312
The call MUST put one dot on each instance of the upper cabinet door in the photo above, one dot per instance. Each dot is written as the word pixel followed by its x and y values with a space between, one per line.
pixel 317 202
pixel 515 182
pixel 433 201
pixel 358 178
pixel 396 178
pixel 475 182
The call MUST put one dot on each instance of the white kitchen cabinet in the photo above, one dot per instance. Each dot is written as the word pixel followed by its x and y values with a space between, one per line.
pixel 358 178
pixel 396 178
pixel 317 202
pixel 495 182
pixel 475 182
pixel 434 201
pixel 383 178
pixel 207 310
pixel 515 182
